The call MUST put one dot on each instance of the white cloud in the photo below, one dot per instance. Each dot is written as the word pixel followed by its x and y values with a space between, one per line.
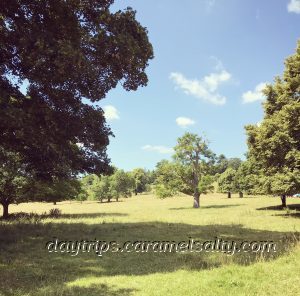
pixel 159 149
pixel 205 89
pixel 294 6
pixel 256 95
pixel 184 121
pixel 210 4
pixel 218 63
pixel 111 112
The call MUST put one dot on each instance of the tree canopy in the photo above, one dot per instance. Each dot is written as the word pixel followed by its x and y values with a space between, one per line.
pixel 193 157
pixel 66 54
pixel 274 145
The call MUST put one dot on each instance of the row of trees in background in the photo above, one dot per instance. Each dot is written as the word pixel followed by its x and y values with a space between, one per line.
pixel 193 171
pixel 119 184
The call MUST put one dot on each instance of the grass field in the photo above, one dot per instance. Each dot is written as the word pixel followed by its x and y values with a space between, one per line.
pixel 26 268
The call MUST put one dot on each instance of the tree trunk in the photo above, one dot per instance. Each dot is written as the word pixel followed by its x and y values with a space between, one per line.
pixel 229 194
pixel 5 210
pixel 283 200
pixel 196 200
pixel 241 195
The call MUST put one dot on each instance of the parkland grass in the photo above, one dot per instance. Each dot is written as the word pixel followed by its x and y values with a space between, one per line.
pixel 26 268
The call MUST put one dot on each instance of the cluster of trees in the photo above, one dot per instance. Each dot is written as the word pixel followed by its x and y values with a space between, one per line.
pixel 56 58
pixel 193 170
pixel 119 184
pixel 273 159
pixel 246 178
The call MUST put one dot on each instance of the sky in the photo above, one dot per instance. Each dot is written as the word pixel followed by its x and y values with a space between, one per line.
pixel 212 59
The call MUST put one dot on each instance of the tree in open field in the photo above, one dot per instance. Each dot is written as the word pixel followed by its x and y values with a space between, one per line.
pixel 275 143
pixel 227 182
pixel 122 183
pixel 59 53
pixel 193 158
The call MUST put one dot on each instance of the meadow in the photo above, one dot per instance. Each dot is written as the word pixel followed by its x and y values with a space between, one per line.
pixel 26 268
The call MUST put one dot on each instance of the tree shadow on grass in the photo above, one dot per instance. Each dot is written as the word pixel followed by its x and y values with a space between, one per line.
pixel 24 259
pixel 294 207
pixel 207 207
pixel 92 215
pixel 33 217
pixel 291 211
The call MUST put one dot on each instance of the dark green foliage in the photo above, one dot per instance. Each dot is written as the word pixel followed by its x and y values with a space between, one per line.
pixel 221 164
pixel 65 51
pixel 57 190
pixel 275 144
pixel 15 182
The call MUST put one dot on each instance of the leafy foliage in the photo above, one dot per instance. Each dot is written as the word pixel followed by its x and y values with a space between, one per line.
pixel 142 179
pixel 275 144
pixel 65 51
pixel 167 180
pixel 15 182
pixel 226 181
pixel 193 158
pixel 206 184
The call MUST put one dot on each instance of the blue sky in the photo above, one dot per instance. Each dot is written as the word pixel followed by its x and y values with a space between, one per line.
pixel 211 60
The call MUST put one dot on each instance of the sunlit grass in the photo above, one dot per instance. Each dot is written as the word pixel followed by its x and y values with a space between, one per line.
pixel 27 269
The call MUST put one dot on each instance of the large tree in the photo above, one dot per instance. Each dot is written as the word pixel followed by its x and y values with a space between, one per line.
pixel 56 58
pixel 275 143
pixel 193 157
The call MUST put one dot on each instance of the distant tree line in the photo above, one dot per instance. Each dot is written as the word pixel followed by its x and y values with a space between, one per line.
pixel 118 184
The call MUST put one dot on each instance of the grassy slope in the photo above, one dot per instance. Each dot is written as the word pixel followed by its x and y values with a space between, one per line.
pixel 27 269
